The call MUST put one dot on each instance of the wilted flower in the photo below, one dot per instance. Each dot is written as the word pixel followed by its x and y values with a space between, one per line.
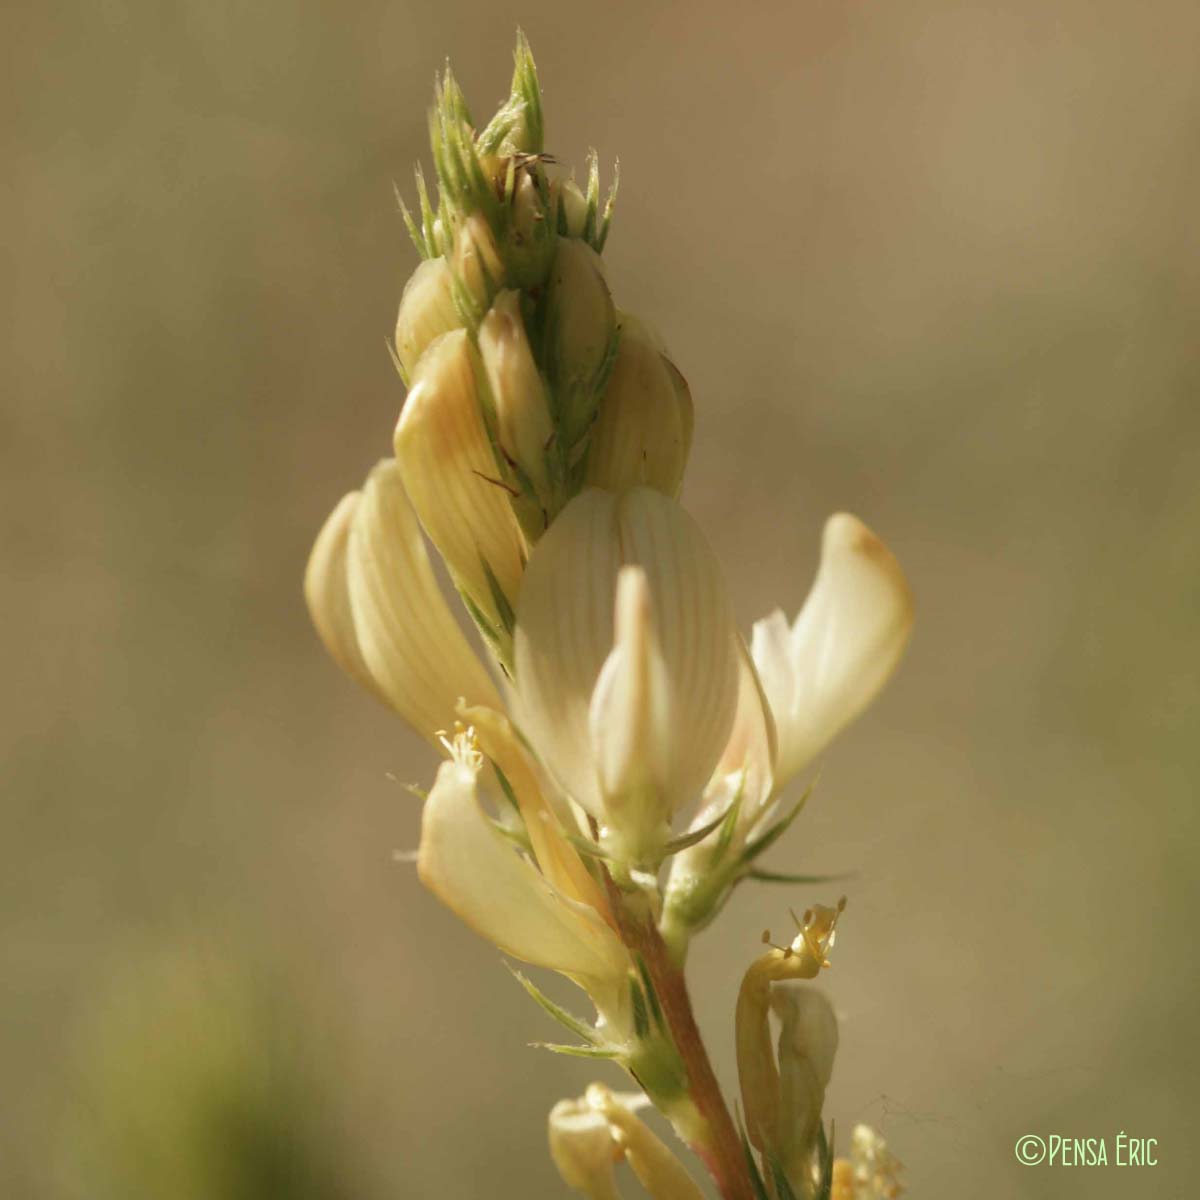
pixel 778 1114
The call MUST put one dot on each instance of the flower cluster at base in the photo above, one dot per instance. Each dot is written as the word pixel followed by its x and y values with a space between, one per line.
pixel 540 450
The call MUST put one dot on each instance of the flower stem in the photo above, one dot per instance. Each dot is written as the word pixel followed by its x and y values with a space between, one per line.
pixel 716 1142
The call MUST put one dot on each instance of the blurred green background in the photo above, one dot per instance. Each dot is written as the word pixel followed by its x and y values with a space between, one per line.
pixel 934 263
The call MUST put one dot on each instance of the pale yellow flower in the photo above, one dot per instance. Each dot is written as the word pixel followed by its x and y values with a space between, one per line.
pixel 626 701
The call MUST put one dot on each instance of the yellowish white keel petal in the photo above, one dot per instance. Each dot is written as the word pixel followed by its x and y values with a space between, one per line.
pixel 327 593
pixel 822 671
pixel 378 608
pixel 475 871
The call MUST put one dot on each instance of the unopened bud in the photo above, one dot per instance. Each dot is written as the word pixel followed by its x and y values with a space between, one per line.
pixel 478 267
pixel 573 204
pixel 643 428
pixel 581 330
pixel 523 421
pixel 427 311
pixel 451 476
pixel 529 243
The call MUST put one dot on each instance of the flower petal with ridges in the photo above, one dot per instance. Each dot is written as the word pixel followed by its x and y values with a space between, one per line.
pixel 475 871
pixel 450 474
pixel 327 593
pixel 823 670
pixel 412 646
pixel 565 624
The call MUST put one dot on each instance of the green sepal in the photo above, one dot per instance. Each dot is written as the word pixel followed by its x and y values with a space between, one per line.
pixel 651 993
pixel 767 840
pixel 783 1189
pixel 783 877
pixel 522 110
pixel 587 846
pixel 825 1154
pixel 580 1051
pixel 641 1017
pixel 729 824
pixel 504 610
pixel 575 1024
pixel 505 786
pixel 414 230
pixel 684 840
pixel 756 1179
pixel 497 639
pixel 519 837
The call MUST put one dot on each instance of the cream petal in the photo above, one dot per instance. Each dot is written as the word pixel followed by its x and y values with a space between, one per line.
pixel 808 1041
pixel 426 312
pixel 327 594
pixel 476 872
pixel 564 633
pixel 450 473
pixel 641 434
pixel 632 722
pixel 745 769
pixel 655 1165
pixel 695 627
pixel 583 1150
pixel 417 656
pixel 565 624
pixel 843 647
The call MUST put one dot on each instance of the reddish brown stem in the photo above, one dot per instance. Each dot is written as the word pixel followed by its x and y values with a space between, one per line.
pixel 722 1152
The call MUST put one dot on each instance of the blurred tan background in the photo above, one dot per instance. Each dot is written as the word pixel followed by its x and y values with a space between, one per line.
pixel 935 263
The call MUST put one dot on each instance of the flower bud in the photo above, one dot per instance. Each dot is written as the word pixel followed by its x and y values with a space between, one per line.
pixel 450 474
pixel 523 421
pixel 530 238
pixel 643 428
pixel 478 267
pixel 427 311
pixel 581 330
pixel 573 204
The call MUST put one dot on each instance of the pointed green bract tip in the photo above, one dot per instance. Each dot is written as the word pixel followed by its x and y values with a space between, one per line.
pixel 518 128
